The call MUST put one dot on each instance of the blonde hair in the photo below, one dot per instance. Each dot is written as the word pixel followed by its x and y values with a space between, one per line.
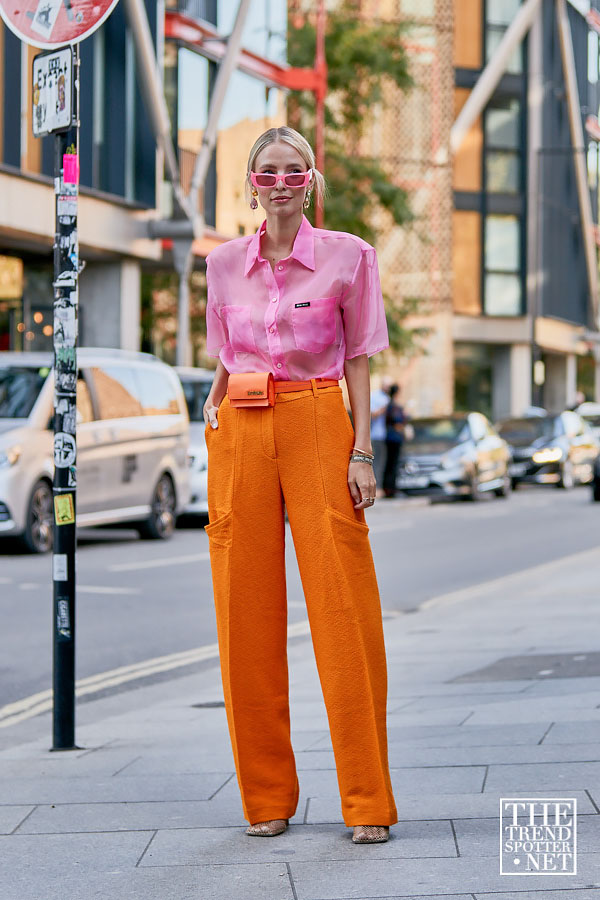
pixel 290 136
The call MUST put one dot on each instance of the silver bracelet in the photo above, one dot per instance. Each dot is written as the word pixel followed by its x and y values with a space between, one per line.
pixel 358 457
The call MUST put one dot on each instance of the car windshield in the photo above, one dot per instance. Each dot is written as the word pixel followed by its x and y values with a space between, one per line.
pixel 526 431
pixel 591 419
pixel 442 431
pixel 195 393
pixel 19 389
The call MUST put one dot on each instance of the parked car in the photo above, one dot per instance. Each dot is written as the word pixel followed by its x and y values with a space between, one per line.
pixel 457 455
pixel 196 383
pixel 590 413
pixel 132 444
pixel 552 449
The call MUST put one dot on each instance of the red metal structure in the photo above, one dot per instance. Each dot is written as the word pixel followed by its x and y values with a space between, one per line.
pixel 198 37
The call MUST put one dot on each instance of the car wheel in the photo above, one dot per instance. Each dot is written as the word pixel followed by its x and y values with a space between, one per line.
pixel 567 479
pixel 504 491
pixel 514 483
pixel 160 524
pixel 38 534
pixel 596 488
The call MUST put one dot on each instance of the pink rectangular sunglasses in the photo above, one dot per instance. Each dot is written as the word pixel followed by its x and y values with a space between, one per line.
pixel 292 179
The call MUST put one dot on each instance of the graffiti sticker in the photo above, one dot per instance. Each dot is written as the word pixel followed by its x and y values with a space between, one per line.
pixel 65 450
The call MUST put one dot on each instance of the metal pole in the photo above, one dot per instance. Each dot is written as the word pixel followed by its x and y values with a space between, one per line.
pixel 226 67
pixel 184 257
pixel 151 86
pixel 66 268
pixel 321 69
pixel 536 296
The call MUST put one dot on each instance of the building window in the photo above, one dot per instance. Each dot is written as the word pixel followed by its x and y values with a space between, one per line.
pixel 502 146
pixel 502 266
pixel 499 14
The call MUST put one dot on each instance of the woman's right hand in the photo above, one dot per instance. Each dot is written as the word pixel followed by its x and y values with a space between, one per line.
pixel 209 412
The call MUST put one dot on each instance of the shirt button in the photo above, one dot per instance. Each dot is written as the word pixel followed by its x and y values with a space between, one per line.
pixel 280 267
pixel 274 300
pixel 271 330
pixel 278 365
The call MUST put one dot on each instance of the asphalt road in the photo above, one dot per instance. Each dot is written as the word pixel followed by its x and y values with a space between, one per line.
pixel 141 600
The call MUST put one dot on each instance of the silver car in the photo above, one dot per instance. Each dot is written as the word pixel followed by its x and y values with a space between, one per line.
pixel 132 444
pixel 196 384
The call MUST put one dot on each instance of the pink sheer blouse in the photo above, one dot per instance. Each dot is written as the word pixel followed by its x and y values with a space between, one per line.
pixel 321 305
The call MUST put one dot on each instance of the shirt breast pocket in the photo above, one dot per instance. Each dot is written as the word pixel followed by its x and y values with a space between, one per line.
pixel 314 324
pixel 239 328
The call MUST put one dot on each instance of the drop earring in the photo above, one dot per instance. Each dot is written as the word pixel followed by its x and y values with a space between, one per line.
pixel 254 201
pixel 307 200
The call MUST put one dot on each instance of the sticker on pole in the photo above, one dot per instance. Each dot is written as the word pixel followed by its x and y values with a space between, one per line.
pixel 52 91
pixel 53 23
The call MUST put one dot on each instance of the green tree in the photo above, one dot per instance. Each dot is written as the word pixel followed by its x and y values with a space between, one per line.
pixel 361 55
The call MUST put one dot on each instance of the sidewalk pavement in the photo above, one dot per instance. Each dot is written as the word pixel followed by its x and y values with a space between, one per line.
pixel 494 692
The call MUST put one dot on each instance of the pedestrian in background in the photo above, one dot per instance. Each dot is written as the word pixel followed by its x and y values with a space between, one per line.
pixel 395 419
pixel 379 403
pixel 302 306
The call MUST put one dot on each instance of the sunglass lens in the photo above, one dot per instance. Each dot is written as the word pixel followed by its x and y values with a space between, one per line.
pixel 295 179
pixel 266 180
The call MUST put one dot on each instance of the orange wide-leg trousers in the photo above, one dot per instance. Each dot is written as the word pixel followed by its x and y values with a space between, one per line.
pixel 296 453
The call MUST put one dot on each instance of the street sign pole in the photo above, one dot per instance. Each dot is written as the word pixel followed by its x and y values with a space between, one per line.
pixel 56 28
pixel 66 269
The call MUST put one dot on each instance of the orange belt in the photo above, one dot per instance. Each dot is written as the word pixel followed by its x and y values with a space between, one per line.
pixel 304 385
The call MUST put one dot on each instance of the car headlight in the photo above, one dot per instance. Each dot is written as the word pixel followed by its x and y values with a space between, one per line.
pixel 547 455
pixel 197 461
pixel 9 456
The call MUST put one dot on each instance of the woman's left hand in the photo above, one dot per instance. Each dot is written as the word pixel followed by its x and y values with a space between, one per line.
pixel 362 484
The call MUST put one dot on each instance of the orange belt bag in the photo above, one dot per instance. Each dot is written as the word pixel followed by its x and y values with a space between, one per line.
pixel 251 389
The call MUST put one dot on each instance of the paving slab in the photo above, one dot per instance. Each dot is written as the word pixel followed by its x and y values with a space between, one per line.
pixel 12 816
pixel 269 881
pixel 466 735
pixel 442 806
pixel 125 789
pixel 555 777
pixel 384 877
pixel 300 842
pixel 480 837
pixel 54 855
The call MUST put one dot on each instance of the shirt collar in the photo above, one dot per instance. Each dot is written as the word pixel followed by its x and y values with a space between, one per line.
pixel 303 250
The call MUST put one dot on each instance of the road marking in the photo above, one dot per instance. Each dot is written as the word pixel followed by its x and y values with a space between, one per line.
pixel 156 563
pixel 31 706
pixel 81 588
pixel 99 589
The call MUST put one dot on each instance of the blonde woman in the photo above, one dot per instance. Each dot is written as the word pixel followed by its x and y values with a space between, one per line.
pixel 291 310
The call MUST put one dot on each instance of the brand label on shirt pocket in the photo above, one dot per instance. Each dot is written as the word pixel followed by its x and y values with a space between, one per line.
pixel 239 328
pixel 313 323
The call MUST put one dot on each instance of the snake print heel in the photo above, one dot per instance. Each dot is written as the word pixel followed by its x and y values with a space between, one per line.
pixel 268 829
pixel 370 834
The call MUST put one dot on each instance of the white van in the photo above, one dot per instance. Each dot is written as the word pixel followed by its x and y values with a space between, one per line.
pixel 196 383
pixel 132 444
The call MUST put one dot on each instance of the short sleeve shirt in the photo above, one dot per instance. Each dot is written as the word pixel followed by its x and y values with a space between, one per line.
pixel 320 306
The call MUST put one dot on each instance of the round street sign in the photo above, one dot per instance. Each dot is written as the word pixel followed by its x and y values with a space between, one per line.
pixel 53 23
